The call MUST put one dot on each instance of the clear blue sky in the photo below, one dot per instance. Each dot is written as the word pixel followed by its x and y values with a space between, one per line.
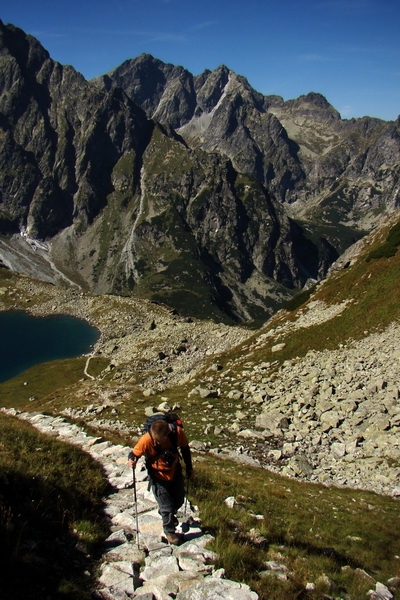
pixel 348 50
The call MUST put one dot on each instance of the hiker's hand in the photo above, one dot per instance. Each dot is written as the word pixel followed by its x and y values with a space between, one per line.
pixel 132 460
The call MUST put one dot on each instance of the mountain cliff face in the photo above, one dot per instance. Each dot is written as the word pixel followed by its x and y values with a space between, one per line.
pixel 60 140
pixel 329 170
pixel 195 191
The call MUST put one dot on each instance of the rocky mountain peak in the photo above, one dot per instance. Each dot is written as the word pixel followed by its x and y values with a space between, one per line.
pixel 313 104
pixel 23 47
pixel 211 90
pixel 163 90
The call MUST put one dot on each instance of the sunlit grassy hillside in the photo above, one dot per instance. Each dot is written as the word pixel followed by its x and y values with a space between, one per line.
pixel 338 541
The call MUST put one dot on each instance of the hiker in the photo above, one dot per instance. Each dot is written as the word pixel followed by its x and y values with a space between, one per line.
pixel 160 446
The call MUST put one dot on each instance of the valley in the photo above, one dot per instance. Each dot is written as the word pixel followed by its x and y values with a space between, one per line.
pixel 313 394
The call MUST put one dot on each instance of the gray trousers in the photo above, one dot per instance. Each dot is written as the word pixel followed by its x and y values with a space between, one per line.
pixel 170 496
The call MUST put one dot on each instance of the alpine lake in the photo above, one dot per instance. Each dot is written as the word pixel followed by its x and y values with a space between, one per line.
pixel 28 340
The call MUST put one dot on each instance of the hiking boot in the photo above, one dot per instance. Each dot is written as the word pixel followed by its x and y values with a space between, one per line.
pixel 172 538
pixel 176 522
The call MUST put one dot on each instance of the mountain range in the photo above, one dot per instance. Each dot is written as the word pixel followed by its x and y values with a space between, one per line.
pixel 195 191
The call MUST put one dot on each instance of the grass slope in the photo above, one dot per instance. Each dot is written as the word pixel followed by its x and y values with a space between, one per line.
pixel 336 539
pixel 50 496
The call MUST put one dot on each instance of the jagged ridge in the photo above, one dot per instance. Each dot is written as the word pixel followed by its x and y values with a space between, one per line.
pixel 329 169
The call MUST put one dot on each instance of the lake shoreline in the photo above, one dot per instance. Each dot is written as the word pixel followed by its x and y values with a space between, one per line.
pixel 31 340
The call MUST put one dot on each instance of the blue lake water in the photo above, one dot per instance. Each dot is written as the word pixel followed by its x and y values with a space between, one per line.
pixel 27 341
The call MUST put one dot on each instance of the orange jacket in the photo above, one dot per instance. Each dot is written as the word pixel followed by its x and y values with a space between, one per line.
pixel 146 447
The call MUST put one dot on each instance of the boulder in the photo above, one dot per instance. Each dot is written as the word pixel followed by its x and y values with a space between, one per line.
pixel 251 434
pixel 300 465
pixel 207 393
pixel 381 592
pixel 271 420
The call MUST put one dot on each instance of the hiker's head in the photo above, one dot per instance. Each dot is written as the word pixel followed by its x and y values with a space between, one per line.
pixel 159 430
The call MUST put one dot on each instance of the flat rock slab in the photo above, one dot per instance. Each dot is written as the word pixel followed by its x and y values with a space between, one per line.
pixel 125 520
pixel 173 583
pixel 112 594
pixel 165 565
pixel 127 551
pixel 121 481
pixel 152 527
pixel 118 576
pixel 116 538
pixel 221 589
pixel 152 541
pixel 193 564
pixel 157 593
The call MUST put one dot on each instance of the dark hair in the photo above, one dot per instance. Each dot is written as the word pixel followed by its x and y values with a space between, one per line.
pixel 159 429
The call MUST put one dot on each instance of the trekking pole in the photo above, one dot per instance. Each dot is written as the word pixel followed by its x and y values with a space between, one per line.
pixel 136 509
pixel 186 496
pixel 185 524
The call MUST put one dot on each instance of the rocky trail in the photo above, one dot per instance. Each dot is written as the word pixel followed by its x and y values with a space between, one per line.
pixel 139 563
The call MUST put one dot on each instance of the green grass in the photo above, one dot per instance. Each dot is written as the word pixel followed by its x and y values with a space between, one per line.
pixel 28 390
pixel 299 299
pixel 97 365
pixel 389 247
pixel 50 529
pixel 311 529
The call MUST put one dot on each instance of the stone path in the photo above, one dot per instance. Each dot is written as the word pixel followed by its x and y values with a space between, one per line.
pixel 140 564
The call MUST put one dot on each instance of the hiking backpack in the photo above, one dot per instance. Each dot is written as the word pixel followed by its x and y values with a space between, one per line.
pixel 174 422
pixel 170 418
